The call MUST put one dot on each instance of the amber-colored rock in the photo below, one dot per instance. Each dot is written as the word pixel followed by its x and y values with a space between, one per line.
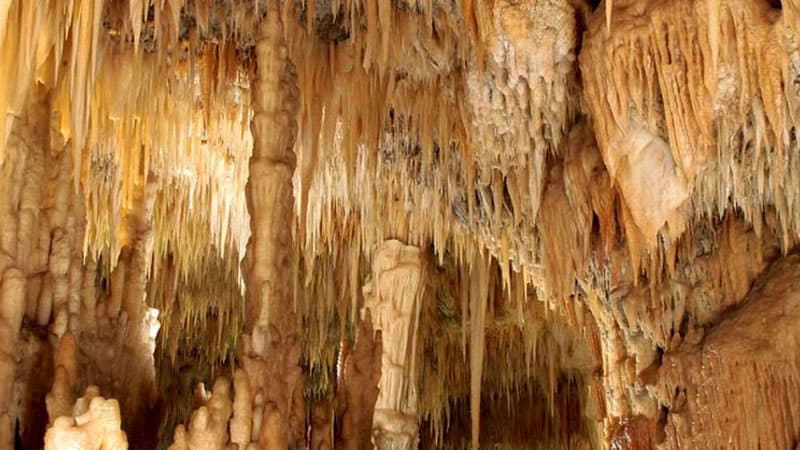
pixel 408 214
pixel 357 388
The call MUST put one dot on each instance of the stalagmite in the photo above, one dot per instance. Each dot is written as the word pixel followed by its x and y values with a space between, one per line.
pixel 93 425
pixel 392 299
pixel 208 427
pixel 218 421
pixel 60 400
pixel 90 422
pixel 242 420
pixel 321 435
pixel 357 389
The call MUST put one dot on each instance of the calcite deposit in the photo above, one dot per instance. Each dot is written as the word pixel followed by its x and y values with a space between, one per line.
pixel 357 387
pixel 358 224
pixel 93 424
pixel 391 300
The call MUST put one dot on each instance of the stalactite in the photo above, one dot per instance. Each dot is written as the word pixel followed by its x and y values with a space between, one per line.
pixel 526 346
pixel 270 350
pixel 480 280
pixel 62 235
pixel 392 298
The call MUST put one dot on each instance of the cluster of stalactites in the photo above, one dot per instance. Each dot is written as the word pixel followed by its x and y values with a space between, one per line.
pixel 187 124
pixel 442 132
pixel 189 127
pixel 699 94
pixel 714 117
pixel 147 157
pixel 202 310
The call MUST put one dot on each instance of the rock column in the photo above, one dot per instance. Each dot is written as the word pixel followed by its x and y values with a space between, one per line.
pixel 270 348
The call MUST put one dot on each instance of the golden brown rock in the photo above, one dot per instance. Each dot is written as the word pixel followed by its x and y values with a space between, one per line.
pixel 357 388
pixel 271 350
pixel 696 385
pixel 321 427
pixel 601 188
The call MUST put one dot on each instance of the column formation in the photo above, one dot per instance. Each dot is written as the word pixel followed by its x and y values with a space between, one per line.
pixel 270 349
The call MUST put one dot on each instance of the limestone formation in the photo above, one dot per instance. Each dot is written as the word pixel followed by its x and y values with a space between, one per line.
pixel 399 224
pixel 358 387
pixel 270 349
pixel 94 424
pixel 208 427
pixel 392 300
